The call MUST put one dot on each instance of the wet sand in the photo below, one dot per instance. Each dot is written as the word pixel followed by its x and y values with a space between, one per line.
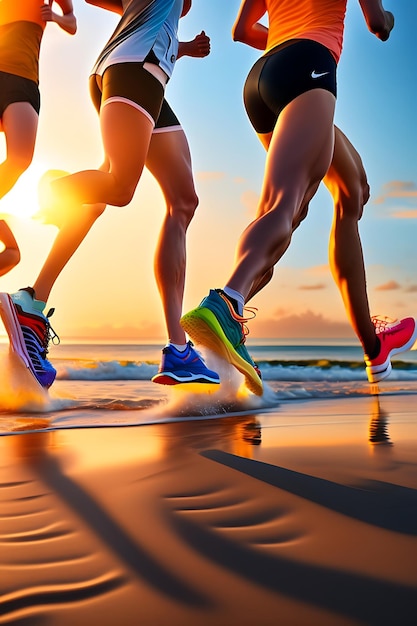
pixel 306 515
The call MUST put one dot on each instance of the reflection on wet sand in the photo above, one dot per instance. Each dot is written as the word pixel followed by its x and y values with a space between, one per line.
pixel 378 424
pixel 194 523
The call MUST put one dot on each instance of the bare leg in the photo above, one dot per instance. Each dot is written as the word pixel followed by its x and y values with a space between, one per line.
pixel 263 280
pixel 347 183
pixel 126 136
pixel 299 155
pixel 20 124
pixel 10 255
pixel 169 160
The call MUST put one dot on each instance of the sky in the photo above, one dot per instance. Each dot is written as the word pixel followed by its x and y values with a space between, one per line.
pixel 108 291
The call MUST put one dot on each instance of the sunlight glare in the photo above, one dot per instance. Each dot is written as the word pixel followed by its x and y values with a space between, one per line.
pixel 19 391
pixel 50 212
pixel 22 200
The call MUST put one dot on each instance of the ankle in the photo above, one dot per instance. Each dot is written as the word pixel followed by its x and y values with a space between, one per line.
pixel 376 349
pixel 236 299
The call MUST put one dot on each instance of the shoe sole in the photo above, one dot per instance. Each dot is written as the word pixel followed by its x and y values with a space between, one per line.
pixel 203 327
pixel 12 326
pixel 376 373
pixel 169 378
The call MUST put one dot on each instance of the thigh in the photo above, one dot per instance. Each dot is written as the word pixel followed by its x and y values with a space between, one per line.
pixel 19 111
pixel 130 103
pixel 20 124
pixel 300 151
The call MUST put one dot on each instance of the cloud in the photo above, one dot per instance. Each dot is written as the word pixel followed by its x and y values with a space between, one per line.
pixel 397 189
pixel 411 289
pixel 281 312
pixel 318 270
pixel 302 326
pixel 391 285
pixel 404 214
pixel 315 287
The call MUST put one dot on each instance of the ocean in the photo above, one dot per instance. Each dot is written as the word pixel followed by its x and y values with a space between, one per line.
pixel 108 384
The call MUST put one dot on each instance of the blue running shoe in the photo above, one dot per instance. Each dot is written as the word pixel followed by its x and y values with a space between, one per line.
pixel 29 332
pixel 183 367
pixel 216 325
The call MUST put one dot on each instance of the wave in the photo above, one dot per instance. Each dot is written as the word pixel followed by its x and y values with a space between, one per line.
pixel 271 370
pixel 105 370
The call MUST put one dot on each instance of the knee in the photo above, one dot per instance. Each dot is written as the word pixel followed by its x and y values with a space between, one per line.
pixel 350 196
pixel 301 216
pixel 362 189
pixel 267 277
pixel 366 191
pixel 95 210
pixel 123 195
pixel 184 207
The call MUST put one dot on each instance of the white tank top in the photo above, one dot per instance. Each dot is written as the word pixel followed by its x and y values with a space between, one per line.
pixel 144 26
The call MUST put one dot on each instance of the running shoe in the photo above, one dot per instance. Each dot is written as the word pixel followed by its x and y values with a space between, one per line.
pixel 395 337
pixel 29 332
pixel 216 325
pixel 183 367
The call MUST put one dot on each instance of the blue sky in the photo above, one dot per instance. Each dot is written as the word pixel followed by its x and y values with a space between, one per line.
pixel 377 96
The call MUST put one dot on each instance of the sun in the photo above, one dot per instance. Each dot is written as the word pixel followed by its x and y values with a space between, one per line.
pixel 22 200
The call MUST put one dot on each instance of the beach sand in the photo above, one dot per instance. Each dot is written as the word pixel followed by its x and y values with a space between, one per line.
pixel 306 515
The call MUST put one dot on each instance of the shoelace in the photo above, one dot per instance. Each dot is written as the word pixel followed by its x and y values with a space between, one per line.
pixel 200 356
pixel 239 318
pixel 245 330
pixel 382 323
pixel 50 334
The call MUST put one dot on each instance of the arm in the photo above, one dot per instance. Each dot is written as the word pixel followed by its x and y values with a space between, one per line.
pixel 66 21
pixel 10 256
pixel 198 47
pixel 111 5
pixel 186 7
pixel 378 21
pixel 247 28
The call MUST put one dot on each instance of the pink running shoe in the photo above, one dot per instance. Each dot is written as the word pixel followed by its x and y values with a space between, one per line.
pixel 395 337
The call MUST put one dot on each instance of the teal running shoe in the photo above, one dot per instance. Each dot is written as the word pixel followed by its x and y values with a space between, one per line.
pixel 216 325
pixel 183 367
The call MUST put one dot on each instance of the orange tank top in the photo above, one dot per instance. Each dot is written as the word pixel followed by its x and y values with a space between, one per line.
pixel 319 20
pixel 21 30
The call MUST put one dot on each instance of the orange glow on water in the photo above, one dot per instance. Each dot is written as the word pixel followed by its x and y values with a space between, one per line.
pixel 19 390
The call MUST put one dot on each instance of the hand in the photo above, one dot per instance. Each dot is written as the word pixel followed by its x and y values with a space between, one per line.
pixel 199 46
pixel 46 12
pixel 389 25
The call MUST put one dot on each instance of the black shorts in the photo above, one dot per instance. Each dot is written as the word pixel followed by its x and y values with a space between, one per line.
pixel 130 83
pixel 18 89
pixel 167 119
pixel 281 75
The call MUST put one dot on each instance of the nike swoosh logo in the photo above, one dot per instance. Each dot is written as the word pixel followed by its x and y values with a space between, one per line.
pixel 315 74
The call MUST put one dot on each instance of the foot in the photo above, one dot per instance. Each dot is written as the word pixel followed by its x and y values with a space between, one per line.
pixel 29 332
pixel 183 367
pixel 216 325
pixel 394 338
